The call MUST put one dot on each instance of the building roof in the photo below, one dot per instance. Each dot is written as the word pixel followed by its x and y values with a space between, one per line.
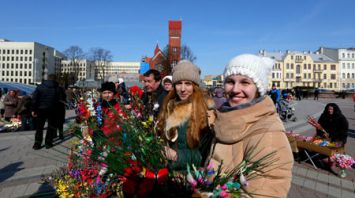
pixel 280 56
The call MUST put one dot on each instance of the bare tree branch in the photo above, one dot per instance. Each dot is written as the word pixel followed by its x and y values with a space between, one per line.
pixel 75 54
pixel 102 58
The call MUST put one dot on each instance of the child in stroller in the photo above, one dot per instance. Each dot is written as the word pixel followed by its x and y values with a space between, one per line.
pixel 285 109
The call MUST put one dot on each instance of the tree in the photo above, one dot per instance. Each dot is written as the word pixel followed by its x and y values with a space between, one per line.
pixel 102 58
pixel 187 54
pixel 74 54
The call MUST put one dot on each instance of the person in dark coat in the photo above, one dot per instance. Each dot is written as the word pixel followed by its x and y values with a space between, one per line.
pixel 154 93
pixel 316 94
pixel 61 106
pixel 45 100
pixel 334 123
pixel 24 109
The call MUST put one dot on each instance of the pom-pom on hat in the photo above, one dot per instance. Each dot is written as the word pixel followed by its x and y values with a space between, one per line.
pixel 108 86
pixel 255 67
pixel 185 70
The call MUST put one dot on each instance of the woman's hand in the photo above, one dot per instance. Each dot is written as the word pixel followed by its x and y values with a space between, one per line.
pixel 311 120
pixel 170 154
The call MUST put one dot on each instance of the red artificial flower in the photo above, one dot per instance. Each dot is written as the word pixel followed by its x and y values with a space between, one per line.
pixel 136 91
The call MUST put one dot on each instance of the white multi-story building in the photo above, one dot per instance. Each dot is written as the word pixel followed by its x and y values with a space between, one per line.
pixel 346 59
pixel 124 67
pixel 25 62
pixel 84 69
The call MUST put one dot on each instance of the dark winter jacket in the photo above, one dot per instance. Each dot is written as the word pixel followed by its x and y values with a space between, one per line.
pixel 153 99
pixel 25 106
pixel 336 124
pixel 45 96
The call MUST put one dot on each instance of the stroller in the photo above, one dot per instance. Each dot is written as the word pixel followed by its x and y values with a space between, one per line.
pixel 286 110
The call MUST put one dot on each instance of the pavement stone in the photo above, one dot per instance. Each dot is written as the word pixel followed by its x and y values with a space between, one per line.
pixel 348 185
pixel 336 192
pixel 347 194
pixel 322 187
pixel 19 190
pixel 334 180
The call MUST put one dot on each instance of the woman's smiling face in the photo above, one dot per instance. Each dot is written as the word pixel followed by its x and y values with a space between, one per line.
pixel 240 89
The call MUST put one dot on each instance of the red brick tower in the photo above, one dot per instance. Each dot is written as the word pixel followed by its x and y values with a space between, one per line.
pixel 174 42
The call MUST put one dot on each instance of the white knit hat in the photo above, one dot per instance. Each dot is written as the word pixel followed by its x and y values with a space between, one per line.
pixel 167 77
pixel 255 67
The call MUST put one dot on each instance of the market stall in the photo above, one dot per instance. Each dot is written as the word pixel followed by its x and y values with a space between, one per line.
pixel 313 145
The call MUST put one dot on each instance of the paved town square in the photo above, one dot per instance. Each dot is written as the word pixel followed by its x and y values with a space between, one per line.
pixel 22 168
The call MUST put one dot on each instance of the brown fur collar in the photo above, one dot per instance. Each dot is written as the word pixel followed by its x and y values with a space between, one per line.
pixel 179 112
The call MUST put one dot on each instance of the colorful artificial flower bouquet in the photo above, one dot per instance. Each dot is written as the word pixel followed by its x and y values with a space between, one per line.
pixel 135 164
pixel 101 167
pixel 343 161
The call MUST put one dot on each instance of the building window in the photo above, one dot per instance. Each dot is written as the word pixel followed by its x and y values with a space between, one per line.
pixel 291 65
pixel 348 65
pixel 343 74
pixel 343 65
pixel 332 67
pixel 287 66
pixel 343 55
pixel 309 76
pixel 305 66
pixel 304 76
pixel 332 76
pixel 325 67
pixel 348 75
pixel 353 75
pixel 309 66
pixel 324 76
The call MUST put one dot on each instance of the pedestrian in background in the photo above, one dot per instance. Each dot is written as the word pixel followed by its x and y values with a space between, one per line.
pixel 24 109
pixel 60 112
pixel 316 94
pixel 2 106
pixel 44 106
pixel 249 121
pixel 218 97
pixel 154 93
pixel 10 104
pixel 167 83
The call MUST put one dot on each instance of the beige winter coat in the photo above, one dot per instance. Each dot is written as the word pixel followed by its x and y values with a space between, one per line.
pixel 237 130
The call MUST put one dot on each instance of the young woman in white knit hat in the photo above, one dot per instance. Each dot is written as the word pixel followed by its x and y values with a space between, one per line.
pixel 248 119
pixel 183 119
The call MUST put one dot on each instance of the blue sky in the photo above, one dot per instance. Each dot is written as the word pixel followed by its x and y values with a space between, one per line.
pixel 215 31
